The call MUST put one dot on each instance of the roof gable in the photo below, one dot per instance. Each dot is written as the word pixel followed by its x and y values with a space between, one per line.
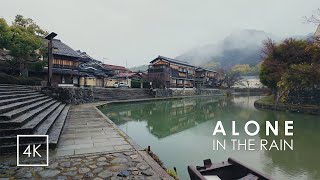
pixel 171 61
pixel 59 48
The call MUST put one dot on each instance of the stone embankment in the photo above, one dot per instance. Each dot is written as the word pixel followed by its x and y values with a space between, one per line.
pixel 112 94
pixel 184 92
pixel 70 95
pixel 298 108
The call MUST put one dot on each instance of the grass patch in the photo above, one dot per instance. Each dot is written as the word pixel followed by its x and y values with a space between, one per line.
pixel 155 157
pixel 122 135
pixel 172 173
pixel 267 100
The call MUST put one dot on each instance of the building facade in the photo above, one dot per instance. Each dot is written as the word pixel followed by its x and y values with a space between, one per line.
pixel 65 70
pixel 206 78
pixel 76 68
pixel 165 72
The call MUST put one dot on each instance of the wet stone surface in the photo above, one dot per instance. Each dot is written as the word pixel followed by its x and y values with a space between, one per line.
pixel 124 165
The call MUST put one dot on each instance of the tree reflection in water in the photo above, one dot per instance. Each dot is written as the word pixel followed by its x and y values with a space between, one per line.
pixel 163 119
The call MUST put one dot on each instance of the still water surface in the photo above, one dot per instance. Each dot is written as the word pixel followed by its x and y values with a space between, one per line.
pixel 180 132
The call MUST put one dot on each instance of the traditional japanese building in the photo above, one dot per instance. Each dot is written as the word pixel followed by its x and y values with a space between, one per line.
pixel 116 69
pixel 205 78
pixel 165 72
pixel 66 62
pixel 76 68
pixel 95 72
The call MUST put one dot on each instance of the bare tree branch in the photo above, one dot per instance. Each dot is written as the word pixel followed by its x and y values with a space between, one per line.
pixel 315 18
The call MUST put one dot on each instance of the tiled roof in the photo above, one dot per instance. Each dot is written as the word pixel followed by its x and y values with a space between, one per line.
pixel 84 57
pixel 114 67
pixel 59 48
pixel 130 74
pixel 64 71
pixel 123 75
pixel 172 60
pixel 205 69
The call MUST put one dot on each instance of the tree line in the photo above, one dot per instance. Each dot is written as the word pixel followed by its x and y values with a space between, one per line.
pixel 291 66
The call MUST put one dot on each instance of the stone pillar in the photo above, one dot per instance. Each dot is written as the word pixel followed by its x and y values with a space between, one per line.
pixel 184 86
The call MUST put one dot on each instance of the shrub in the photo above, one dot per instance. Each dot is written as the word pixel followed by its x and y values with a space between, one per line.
pixel 8 79
pixel 172 173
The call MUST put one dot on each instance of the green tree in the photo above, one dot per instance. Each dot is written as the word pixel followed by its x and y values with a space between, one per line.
pixel 242 69
pixel 290 66
pixel 270 73
pixel 246 69
pixel 24 40
pixel 299 77
pixel 4 34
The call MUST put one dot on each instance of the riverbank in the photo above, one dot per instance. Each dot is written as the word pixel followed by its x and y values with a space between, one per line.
pixel 269 103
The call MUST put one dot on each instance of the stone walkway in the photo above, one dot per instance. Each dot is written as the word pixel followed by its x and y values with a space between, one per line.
pixel 87 131
pixel 91 147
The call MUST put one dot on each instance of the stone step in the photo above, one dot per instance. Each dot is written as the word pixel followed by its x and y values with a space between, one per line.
pixel 20 99
pixel 47 124
pixel 4 86
pixel 32 124
pixel 9 148
pixel 15 92
pixel 25 111
pixel 10 107
pixel 17 112
pixel 2 97
pixel 36 121
pixel 15 87
pixel 56 129
pixel 12 139
pixel 42 129
pixel 24 118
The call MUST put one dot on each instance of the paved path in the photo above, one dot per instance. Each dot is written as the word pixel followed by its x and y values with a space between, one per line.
pixel 87 131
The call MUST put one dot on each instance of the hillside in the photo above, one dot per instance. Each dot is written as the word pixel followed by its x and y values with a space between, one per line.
pixel 243 47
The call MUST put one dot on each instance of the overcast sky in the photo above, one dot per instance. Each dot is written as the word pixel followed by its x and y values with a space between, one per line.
pixel 136 31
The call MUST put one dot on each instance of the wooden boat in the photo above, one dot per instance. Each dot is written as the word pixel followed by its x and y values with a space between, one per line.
pixel 226 170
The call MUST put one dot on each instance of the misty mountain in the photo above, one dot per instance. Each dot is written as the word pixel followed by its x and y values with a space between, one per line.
pixel 242 47
pixel 141 68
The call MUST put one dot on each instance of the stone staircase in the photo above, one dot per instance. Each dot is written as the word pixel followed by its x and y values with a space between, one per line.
pixel 114 94
pixel 24 111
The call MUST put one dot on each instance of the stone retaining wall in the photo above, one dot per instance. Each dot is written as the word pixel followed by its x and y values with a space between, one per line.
pixel 185 92
pixel 253 90
pixel 69 95
pixel 288 107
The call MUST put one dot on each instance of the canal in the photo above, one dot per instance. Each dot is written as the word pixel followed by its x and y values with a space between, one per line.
pixel 180 132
